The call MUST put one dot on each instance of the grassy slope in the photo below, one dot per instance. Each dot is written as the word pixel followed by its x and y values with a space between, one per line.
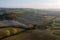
pixel 34 35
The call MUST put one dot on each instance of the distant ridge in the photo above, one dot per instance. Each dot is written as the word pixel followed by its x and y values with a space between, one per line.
pixel 11 23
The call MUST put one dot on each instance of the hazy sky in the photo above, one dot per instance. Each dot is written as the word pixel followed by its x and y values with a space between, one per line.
pixel 43 4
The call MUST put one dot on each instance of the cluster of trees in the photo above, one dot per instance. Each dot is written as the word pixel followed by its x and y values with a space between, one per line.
pixel 7 16
pixel 8 32
pixel 47 27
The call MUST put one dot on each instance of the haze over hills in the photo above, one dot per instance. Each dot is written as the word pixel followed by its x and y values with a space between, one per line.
pixel 27 15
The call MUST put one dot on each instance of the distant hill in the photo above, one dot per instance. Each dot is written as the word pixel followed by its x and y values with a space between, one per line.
pixel 33 16
pixel 29 18
pixel 49 12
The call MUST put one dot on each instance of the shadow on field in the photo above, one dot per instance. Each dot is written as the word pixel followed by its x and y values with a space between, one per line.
pixel 34 35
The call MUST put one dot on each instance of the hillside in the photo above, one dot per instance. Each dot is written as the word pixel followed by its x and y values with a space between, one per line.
pixel 34 35
pixel 24 16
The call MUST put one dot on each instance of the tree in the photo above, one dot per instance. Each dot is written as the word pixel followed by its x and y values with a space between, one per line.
pixel 7 33
pixel 48 28
pixel 14 31
pixel 30 25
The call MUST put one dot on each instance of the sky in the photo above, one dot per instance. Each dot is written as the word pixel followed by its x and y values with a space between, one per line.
pixel 38 4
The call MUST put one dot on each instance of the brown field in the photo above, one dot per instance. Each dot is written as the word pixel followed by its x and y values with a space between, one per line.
pixel 32 35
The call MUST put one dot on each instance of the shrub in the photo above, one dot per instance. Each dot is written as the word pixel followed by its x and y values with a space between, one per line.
pixel 7 32
pixel 14 31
